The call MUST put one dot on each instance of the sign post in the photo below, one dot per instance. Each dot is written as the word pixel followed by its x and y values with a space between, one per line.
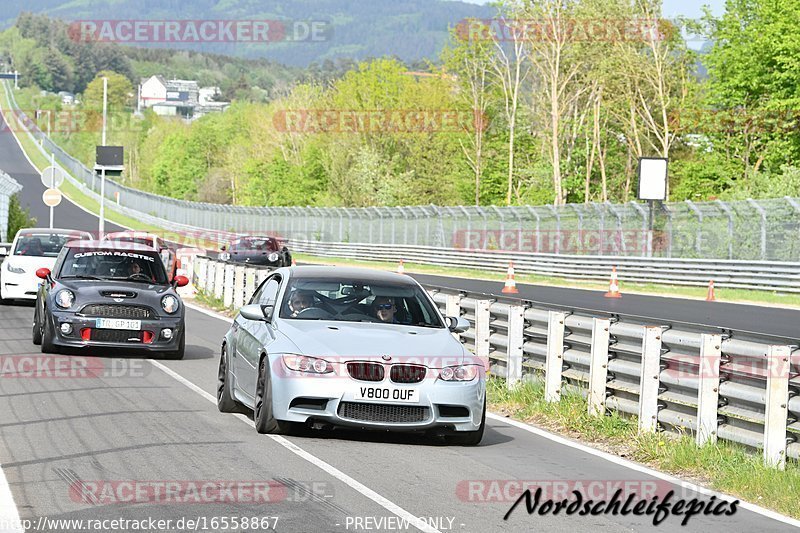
pixel 653 188
pixel 109 159
pixel 52 178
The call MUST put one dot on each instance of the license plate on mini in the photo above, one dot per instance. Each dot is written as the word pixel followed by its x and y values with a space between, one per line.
pixel 387 394
pixel 118 323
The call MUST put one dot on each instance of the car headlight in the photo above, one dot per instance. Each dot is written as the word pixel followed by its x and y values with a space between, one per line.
pixel 170 304
pixel 302 363
pixel 65 298
pixel 273 257
pixel 14 270
pixel 459 373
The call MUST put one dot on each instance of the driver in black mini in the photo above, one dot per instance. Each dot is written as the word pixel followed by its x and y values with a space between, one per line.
pixel 300 301
pixel 135 270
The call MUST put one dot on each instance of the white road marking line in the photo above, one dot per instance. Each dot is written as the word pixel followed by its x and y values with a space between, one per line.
pixel 9 515
pixel 643 469
pixel 333 471
pixel 601 454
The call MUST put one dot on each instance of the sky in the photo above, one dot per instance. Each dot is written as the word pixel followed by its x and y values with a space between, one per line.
pixel 672 8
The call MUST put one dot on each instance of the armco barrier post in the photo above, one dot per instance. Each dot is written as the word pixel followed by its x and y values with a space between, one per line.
pixel 554 364
pixel 482 332
pixel 238 287
pixel 249 283
pixel 598 366
pixel 708 389
pixel 207 284
pixel 777 405
pixel 219 280
pixel 516 338
pixel 648 385
pixel 227 297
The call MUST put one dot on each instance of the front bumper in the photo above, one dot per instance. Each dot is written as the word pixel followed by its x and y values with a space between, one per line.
pixel 154 342
pixel 18 286
pixel 332 399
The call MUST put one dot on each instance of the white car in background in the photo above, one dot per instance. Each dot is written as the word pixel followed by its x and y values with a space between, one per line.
pixel 32 249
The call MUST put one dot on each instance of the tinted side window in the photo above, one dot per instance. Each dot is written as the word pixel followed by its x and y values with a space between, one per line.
pixel 270 292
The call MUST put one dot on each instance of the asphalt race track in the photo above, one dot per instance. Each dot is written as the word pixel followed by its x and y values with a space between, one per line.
pixel 103 444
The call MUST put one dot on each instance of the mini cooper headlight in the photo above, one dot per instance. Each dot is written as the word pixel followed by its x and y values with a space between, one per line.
pixel 169 303
pixel 302 363
pixel 65 298
pixel 273 257
pixel 459 373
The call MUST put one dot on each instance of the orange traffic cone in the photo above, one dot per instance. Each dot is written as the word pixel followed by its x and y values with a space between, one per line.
pixel 711 296
pixel 400 268
pixel 511 285
pixel 613 285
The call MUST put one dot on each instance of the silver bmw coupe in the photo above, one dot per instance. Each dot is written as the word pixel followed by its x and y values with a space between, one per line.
pixel 331 346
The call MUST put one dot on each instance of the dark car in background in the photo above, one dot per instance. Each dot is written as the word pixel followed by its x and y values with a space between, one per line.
pixel 257 250
pixel 106 294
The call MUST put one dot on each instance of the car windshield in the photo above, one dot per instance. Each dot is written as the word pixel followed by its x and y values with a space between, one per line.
pixel 121 265
pixel 254 243
pixel 41 244
pixel 359 301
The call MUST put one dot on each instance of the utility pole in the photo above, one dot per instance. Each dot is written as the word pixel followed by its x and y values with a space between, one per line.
pixel 102 228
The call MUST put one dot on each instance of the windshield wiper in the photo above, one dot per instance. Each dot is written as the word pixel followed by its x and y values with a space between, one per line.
pixel 82 277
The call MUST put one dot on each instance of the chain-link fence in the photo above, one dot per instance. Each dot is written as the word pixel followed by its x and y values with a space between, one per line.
pixel 743 230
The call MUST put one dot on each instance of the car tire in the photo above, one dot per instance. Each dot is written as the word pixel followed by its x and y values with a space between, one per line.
pixel 178 354
pixel 48 346
pixel 225 400
pixel 264 420
pixel 469 438
pixel 36 335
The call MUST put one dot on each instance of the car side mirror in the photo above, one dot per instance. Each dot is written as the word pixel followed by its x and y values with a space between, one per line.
pixel 181 281
pixel 257 312
pixel 43 273
pixel 457 324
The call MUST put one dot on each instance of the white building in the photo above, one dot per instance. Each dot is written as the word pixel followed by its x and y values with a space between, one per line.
pixel 182 98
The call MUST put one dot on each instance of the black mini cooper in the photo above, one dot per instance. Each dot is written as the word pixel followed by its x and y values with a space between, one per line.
pixel 105 294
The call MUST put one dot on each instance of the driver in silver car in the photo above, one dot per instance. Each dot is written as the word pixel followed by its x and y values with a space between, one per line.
pixel 300 301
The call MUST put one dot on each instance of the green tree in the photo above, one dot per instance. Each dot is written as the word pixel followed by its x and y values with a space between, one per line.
pixel 18 217
pixel 120 92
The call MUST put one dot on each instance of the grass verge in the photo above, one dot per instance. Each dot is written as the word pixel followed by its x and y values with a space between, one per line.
pixel 726 467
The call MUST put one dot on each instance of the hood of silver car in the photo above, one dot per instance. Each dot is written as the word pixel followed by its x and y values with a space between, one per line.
pixel 370 341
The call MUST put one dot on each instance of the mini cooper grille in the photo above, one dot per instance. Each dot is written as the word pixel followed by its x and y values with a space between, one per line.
pixel 118 311
pixel 407 373
pixel 366 371
pixel 116 335
pixel 390 414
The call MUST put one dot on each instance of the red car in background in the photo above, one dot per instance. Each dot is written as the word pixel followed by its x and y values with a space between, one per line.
pixel 167 253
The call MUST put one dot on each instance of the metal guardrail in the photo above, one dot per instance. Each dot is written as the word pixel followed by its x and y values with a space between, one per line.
pixel 761 275
pixel 764 230
pixel 711 383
